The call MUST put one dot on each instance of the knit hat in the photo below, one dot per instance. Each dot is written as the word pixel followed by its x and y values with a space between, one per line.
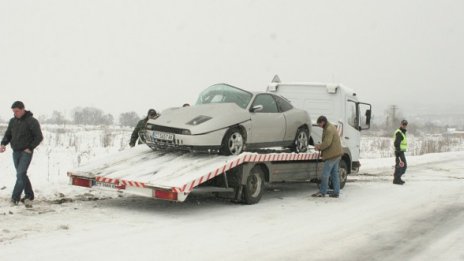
pixel 18 105
pixel 151 112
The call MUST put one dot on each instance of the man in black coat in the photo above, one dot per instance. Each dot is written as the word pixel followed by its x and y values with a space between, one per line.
pixel 24 135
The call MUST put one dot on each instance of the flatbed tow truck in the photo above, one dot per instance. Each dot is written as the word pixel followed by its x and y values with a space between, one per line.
pixel 174 175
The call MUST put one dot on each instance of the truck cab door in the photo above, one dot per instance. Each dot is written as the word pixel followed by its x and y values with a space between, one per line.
pixel 358 117
pixel 365 111
pixel 350 136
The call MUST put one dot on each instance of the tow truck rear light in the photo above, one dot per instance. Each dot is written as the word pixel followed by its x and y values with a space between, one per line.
pixel 81 182
pixel 164 194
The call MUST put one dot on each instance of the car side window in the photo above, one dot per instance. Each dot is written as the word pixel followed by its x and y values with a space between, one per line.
pixel 283 104
pixel 268 103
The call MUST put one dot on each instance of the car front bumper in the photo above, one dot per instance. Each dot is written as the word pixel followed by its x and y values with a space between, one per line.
pixel 210 141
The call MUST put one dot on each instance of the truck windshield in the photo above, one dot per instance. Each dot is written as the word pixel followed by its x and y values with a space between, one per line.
pixel 223 93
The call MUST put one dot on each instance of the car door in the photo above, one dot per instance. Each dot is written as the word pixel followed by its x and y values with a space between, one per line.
pixel 293 118
pixel 267 123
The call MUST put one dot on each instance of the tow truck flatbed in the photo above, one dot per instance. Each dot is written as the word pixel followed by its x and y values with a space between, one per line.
pixel 173 175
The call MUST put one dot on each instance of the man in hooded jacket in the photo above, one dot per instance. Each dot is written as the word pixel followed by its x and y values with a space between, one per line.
pixel 24 135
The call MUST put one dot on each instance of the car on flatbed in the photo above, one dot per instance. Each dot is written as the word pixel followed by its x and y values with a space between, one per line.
pixel 230 120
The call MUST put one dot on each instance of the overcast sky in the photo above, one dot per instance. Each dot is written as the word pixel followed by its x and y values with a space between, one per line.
pixel 131 55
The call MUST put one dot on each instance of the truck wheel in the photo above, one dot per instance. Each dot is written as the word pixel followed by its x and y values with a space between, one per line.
pixel 342 174
pixel 254 187
pixel 301 141
pixel 233 142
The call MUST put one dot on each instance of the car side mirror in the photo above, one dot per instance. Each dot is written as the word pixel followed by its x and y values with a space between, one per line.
pixel 257 108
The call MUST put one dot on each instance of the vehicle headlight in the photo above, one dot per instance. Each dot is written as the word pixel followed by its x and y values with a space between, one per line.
pixel 149 126
pixel 186 132
pixel 199 120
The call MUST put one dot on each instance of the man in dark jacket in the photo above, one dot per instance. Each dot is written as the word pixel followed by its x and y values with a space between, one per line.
pixel 141 126
pixel 401 146
pixel 332 151
pixel 24 135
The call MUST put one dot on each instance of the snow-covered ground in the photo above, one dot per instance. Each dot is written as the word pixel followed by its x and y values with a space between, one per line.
pixel 382 147
pixel 372 220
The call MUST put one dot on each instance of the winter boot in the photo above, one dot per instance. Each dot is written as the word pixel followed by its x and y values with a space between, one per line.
pixel 28 203
pixel 318 195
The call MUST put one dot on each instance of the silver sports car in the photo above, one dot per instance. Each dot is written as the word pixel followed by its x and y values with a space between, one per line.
pixel 229 120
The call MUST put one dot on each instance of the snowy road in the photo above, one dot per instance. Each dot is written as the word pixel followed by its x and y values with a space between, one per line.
pixel 373 220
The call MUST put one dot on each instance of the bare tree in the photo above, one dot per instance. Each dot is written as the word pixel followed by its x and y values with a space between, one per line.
pixel 91 116
pixel 129 119
pixel 57 118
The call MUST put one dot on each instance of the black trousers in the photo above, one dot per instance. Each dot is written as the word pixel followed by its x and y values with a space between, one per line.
pixel 399 171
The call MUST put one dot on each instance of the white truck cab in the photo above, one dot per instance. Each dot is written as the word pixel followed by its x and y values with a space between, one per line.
pixel 339 104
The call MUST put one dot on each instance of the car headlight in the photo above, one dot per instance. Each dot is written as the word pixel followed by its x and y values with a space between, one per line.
pixel 186 132
pixel 199 120
pixel 149 127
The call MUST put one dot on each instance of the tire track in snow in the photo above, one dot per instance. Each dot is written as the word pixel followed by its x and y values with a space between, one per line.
pixel 414 237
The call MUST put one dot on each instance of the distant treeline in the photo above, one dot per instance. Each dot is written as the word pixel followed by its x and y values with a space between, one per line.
pixel 88 116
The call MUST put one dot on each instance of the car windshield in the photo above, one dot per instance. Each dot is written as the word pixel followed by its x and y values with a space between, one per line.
pixel 223 93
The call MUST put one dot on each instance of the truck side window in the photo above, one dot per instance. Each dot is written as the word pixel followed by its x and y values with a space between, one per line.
pixel 268 103
pixel 352 114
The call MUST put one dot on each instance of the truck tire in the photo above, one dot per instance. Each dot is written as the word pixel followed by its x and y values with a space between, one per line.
pixel 342 174
pixel 254 188
pixel 300 144
pixel 233 142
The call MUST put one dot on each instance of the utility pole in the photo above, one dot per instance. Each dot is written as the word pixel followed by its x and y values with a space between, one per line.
pixel 393 108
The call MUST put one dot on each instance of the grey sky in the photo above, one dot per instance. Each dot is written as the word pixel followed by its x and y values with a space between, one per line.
pixel 131 55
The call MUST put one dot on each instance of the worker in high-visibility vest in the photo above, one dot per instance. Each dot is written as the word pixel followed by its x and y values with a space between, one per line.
pixel 401 146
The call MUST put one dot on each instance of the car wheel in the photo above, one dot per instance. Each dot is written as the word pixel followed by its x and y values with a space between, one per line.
pixel 301 141
pixel 254 188
pixel 233 142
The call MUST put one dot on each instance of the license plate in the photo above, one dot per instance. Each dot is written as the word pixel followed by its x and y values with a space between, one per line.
pixel 163 136
pixel 105 185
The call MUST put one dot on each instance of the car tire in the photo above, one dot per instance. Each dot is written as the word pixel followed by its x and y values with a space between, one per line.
pixel 233 142
pixel 254 188
pixel 300 144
